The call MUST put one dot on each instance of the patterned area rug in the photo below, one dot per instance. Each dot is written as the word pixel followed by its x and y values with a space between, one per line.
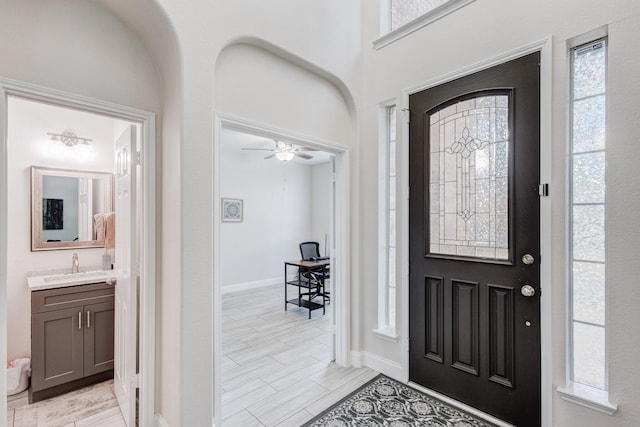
pixel 386 402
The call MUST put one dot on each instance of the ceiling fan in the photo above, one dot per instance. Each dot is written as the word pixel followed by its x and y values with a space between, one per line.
pixel 285 151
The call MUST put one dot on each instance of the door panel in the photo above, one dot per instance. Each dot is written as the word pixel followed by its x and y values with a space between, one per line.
pixel 473 214
pixel 126 269
pixel 98 338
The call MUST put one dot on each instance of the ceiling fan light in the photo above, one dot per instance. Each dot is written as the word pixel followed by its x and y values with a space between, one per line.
pixel 284 156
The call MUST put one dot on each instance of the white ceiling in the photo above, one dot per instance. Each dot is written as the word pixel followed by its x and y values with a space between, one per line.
pixel 235 140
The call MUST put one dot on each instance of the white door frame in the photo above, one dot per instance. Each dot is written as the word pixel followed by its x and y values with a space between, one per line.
pixel 340 253
pixel 147 231
pixel 545 48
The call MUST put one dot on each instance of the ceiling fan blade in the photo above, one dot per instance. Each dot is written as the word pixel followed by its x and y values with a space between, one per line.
pixel 258 149
pixel 307 149
pixel 270 156
pixel 303 155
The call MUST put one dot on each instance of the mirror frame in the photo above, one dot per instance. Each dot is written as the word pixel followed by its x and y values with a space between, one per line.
pixel 37 174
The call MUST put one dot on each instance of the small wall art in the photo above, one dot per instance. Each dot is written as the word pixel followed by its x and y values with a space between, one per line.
pixel 231 210
pixel 52 216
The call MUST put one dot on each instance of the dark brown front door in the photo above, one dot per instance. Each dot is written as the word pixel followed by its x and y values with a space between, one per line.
pixel 474 246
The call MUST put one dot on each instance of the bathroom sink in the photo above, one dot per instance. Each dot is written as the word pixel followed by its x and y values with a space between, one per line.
pixel 37 283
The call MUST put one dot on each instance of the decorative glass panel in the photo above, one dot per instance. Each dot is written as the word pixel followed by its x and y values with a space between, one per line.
pixel 588 302
pixel 588 342
pixel 588 232
pixel 588 175
pixel 469 179
pixel 403 11
pixel 589 72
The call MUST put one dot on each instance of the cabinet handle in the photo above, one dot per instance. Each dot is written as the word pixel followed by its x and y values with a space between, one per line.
pixel 79 320
pixel 88 319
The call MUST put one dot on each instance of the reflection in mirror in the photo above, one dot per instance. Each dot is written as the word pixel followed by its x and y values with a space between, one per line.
pixel 64 204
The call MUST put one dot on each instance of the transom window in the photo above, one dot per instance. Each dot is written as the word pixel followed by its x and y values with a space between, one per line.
pixel 404 11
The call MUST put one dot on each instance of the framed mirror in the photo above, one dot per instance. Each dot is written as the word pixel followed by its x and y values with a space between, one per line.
pixel 64 204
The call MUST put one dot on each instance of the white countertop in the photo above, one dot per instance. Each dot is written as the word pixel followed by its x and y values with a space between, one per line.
pixel 39 283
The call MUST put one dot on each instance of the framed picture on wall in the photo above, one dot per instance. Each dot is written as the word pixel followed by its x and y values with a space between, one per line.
pixel 231 210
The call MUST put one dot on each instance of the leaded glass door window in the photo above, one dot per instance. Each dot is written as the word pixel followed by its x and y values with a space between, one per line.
pixel 469 177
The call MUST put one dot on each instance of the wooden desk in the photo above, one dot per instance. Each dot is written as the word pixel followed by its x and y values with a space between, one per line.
pixel 314 288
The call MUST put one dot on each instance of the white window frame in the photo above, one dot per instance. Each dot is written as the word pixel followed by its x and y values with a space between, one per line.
pixel 575 392
pixel 387 36
pixel 387 318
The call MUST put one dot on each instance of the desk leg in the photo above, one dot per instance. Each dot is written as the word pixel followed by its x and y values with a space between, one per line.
pixel 285 287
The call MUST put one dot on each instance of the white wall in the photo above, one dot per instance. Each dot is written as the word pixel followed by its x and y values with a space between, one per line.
pixel 486 29
pixel 277 215
pixel 28 145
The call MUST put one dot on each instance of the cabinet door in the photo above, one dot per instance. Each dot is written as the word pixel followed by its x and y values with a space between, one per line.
pixel 98 338
pixel 57 353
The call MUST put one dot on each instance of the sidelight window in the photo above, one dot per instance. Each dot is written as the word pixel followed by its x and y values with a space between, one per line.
pixel 587 269
pixel 387 224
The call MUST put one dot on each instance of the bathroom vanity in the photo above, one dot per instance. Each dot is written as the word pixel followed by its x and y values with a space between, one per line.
pixel 72 333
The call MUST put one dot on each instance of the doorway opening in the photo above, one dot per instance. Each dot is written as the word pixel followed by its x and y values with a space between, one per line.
pixel 284 203
pixel 70 134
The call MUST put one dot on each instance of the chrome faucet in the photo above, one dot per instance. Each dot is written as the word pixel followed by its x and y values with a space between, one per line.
pixel 74 263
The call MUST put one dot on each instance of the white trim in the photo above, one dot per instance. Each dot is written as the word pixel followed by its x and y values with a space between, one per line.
pixel 421 21
pixel 148 232
pixel 160 422
pixel 387 334
pixel 546 161
pixel 587 396
pixel 543 46
pixel 340 255
pixel 380 364
pixel 457 404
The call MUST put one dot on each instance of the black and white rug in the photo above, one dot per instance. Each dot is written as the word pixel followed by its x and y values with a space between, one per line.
pixel 386 402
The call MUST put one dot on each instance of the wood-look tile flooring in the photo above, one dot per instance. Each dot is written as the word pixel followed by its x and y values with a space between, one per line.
pixel 276 368
pixel 93 406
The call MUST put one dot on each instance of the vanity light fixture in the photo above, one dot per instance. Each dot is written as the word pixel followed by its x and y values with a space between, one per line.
pixel 68 138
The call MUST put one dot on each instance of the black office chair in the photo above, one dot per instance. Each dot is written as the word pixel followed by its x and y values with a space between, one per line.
pixel 310 251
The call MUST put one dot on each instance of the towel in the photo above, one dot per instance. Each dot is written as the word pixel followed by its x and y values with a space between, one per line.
pixel 110 230
pixel 98 227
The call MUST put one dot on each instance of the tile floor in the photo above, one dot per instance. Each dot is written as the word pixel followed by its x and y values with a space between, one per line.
pixel 275 367
pixel 275 371
pixel 93 406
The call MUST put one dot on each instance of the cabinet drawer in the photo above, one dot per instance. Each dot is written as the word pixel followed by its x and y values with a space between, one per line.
pixel 71 296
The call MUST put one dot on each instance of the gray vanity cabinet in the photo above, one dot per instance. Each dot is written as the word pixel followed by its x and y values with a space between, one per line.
pixel 71 338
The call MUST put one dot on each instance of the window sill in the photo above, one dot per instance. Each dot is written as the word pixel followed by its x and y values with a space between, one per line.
pixel 590 397
pixel 422 21
pixel 386 333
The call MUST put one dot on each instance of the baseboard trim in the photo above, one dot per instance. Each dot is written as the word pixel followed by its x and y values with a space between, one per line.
pixel 160 422
pixel 388 367
pixel 237 287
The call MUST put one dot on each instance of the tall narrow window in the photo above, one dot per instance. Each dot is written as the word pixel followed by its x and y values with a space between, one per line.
pixel 387 226
pixel 587 214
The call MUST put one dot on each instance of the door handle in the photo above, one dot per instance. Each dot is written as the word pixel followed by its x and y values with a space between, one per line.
pixel 527 290
pixel 88 319
pixel 79 320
